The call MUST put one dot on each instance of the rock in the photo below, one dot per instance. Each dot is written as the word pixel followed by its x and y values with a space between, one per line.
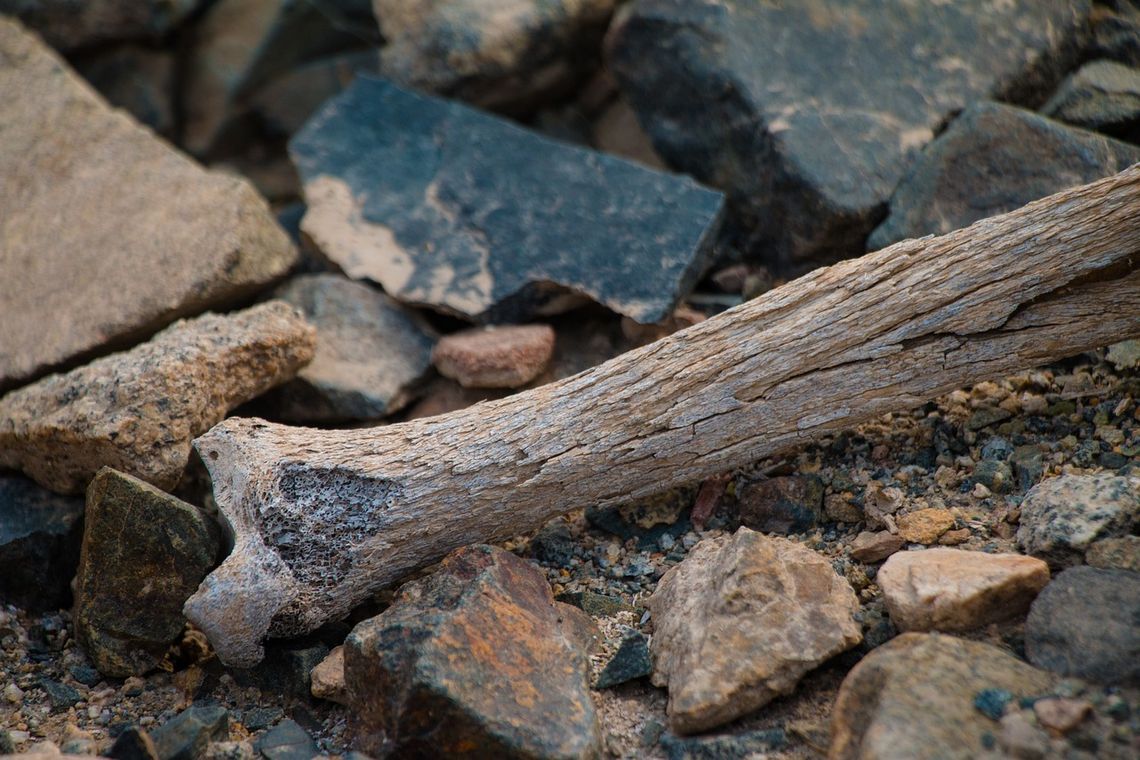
pixel 1028 466
pixel 138 410
pixel 185 736
pixel 987 415
pixel 60 695
pixel 956 590
pixel 1084 624
pixel 67 25
pixel 78 742
pixel 743 746
pixel 117 234
pixel 630 661
pixel 1062 517
pixel 914 697
pixel 137 79
pixel 497 57
pixel 788 504
pixel 286 741
pixel 740 621
pixel 397 186
pixel 1102 96
pixel 1021 739
pixel 1060 714
pixel 992 159
pixel 133 744
pixel 443 395
pixel 995 476
pixel 616 131
pixel 924 526
pixel 327 678
pixel 40 534
pixel 287 102
pixel 1125 354
pixel 875 547
pixel 372 353
pixel 240 45
pixel 1121 553
pixel 472 659
pixel 286 669
pixel 144 554
pixel 229 751
pixel 839 508
pixel 595 605
pixel 1116 32
pixel 495 357
pixel 808 114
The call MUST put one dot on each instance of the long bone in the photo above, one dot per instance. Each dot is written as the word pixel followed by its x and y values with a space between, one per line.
pixel 323 519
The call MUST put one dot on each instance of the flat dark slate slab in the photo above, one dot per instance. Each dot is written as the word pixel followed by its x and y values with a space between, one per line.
pixel 454 209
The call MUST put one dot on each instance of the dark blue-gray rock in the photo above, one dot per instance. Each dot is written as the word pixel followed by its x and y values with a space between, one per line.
pixel 286 741
pixel 725 747
pixel 1061 517
pixel 60 695
pixel 144 553
pixel 1086 623
pixel 808 113
pixel 502 57
pixel 785 504
pixel 286 103
pixel 373 354
pixel 133 744
pixel 40 534
pixel 991 159
pixel 1103 96
pixel 1028 463
pixel 286 668
pixel 138 79
pixel 1116 32
pixel 630 661
pixel 994 475
pixel 468 214
pixel 186 735
pixel 72 24
pixel 997 449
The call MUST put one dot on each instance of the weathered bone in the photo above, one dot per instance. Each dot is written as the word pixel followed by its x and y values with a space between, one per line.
pixel 324 518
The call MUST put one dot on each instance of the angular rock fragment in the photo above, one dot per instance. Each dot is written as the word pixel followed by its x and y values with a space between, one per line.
pixel 144 554
pixel 67 24
pixel 791 504
pixel 914 697
pixel 372 353
pixel 495 357
pixel 631 660
pixel 956 590
pixel 808 114
pixel 1062 517
pixel 454 209
pixel 286 741
pixel 138 410
pixel 472 660
pixel 1086 623
pixel 875 547
pixel 40 534
pixel 111 234
pixel 138 79
pixel 501 57
pixel 994 158
pixel 925 526
pixel 1102 96
pixel 740 621
pixel 327 679
pixel 186 735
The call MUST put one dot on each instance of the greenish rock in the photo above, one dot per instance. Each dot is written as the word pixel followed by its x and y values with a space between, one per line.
pixel 40 534
pixel 741 746
pixel 787 504
pixel 186 735
pixel 1028 463
pixel 286 741
pixel 594 604
pixel 986 416
pixel 7 746
pixel 144 553
pixel 630 661
pixel 1125 354
pixel 992 702
pixel 994 475
pixel 1103 96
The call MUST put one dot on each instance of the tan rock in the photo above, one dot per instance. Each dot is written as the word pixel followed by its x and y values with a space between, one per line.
pixel 138 410
pixel 1121 553
pixel 875 547
pixel 327 678
pixel 1060 714
pixel 957 590
pixel 108 233
pixel 925 526
pixel 495 357
pixel 741 621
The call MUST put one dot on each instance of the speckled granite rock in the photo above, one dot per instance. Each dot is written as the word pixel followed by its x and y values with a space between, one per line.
pixel 740 621
pixel 1103 96
pixel 451 208
pixel 473 659
pixel 68 24
pixel 1062 517
pixel 495 357
pixel 137 411
pixel 144 553
pixel 137 79
pixel 994 158
pixel 956 590
pixel 500 56
pixel 117 234
pixel 809 113
pixel 914 698
pixel 40 533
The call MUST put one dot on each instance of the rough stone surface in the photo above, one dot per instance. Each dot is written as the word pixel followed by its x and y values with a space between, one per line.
pixel 138 79
pixel 1062 517
pixel 286 741
pixel 991 159
pixel 500 56
pixel 956 590
pixel 472 660
pixel 925 526
pixel 740 621
pixel 287 102
pixel 1125 354
pixel 1102 96
pixel 1086 623
pixel 914 698
pixel 875 547
pixel 631 660
pixel 1060 714
pixel 399 190
pixel 67 24
pixel 137 411
pixel 144 553
pixel 788 504
pixel 1121 553
pixel 185 736
pixel 117 234
pixel 133 744
pixel 372 356
pixel 327 679
pixel 40 533
pixel 748 745
pixel 809 113
pixel 495 357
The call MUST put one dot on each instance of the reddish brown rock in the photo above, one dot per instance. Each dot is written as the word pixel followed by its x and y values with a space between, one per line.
pixel 138 410
pixel 1061 715
pixel 789 504
pixel 925 526
pixel 956 590
pixel 875 547
pixel 495 357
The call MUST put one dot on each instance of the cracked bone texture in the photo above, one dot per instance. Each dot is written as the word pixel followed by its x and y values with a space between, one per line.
pixel 137 411
pixel 325 518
